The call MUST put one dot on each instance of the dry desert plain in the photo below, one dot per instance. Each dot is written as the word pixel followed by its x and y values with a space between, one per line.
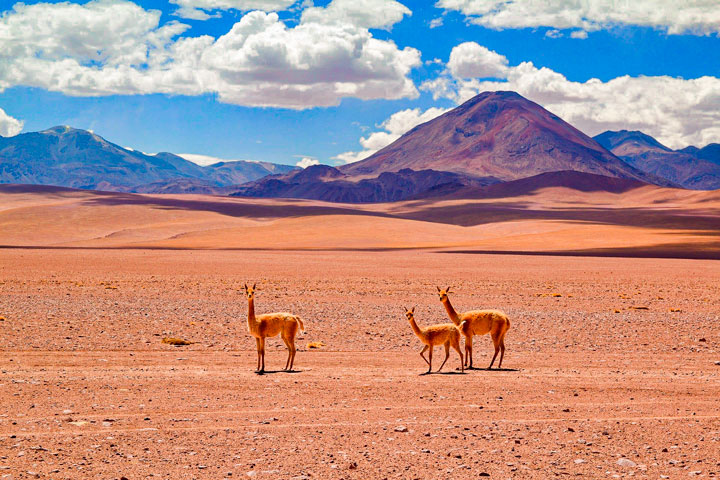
pixel 612 361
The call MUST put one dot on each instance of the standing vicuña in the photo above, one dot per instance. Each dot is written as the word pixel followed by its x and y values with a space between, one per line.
pixel 269 325
pixel 478 322
pixel 446 334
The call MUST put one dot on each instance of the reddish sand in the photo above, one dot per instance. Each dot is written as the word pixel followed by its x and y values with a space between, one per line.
pixel 87 389
pixel 647 221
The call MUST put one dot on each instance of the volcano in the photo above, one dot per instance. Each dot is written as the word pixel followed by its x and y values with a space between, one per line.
pixel 501 135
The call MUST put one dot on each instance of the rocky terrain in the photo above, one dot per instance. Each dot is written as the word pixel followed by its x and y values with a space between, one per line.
pixel 611 367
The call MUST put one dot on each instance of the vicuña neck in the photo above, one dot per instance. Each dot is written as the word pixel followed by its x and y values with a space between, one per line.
pixel 451 311
pixel 251 313
pixel 415 328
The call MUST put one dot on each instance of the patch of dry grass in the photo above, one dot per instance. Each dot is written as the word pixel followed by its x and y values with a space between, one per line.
pixel 315 345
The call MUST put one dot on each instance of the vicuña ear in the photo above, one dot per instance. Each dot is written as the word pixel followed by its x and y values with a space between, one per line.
pixel 438 288
pixel 246 287
pixel 413 310
pixel 254 285
pixel 447 290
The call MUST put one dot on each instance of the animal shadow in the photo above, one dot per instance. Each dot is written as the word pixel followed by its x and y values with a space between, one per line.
pixel 270 372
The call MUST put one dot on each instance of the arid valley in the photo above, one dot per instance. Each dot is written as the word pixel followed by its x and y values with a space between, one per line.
pixel 612 366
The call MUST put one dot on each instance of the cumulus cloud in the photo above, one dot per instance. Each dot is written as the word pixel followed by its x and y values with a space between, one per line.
pixel 678 112
pixel 107 47
pixel 197 9
pixel 699 17
pixel 9 126
pixel 359 13
pixel 307 162
pixel 580 34
pixel 472 60
pixel 393 128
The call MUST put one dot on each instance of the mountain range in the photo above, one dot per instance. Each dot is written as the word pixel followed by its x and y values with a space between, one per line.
pixel 493 142
pixel 692 167
pixel 70 157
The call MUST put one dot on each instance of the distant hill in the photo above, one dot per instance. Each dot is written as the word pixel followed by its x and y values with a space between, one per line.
pixel 70 157
pixel 321 182
pixel 501 135
pixel 691 167
pixel 578 181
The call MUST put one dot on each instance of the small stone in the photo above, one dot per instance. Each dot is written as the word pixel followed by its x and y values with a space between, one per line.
pixel 483 474
pixel 579 461
pixel 626 462
pixel 252 473
pixel 401 428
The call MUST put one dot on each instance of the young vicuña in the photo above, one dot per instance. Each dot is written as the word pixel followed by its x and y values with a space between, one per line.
pixel 446 334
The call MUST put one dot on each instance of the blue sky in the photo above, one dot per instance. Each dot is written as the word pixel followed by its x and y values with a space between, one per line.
pixel 262 96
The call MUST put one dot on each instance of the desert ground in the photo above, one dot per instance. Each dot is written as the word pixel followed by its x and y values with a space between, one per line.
pixel 612 367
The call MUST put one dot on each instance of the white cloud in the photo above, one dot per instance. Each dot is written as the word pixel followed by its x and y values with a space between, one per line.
pixel 676 111
pixel 107 47
pixel 472 60
pixel 197 9
pixel 393 128
pixel 436 22
pixel 206 159
pixel 580 34
pixel 9 126
pixel 699 17
pixel 554 33
pixel 359 13
pixel 306 162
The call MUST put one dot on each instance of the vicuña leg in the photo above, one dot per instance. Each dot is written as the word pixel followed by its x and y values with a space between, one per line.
pixel 468 351
pixel 289 345
pixel 262 354
pixel 447 354
pixel 422 354
pixel 502 351
pixel 456 346
pixel 257 342
pixel 430 359
pixel 496 343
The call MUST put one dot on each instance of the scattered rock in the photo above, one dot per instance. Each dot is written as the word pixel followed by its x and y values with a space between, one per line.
pixel 626 462
pixel 401 428
pixel 178 342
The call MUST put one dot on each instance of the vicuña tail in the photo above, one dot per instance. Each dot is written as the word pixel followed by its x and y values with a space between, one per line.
pixel 302 327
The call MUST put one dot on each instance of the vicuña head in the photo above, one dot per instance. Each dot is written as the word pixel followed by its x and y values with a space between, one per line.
pixel 443 293
pixel 250 291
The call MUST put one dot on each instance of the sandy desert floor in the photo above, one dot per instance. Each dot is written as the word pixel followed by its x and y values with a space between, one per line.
pixel 613 367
